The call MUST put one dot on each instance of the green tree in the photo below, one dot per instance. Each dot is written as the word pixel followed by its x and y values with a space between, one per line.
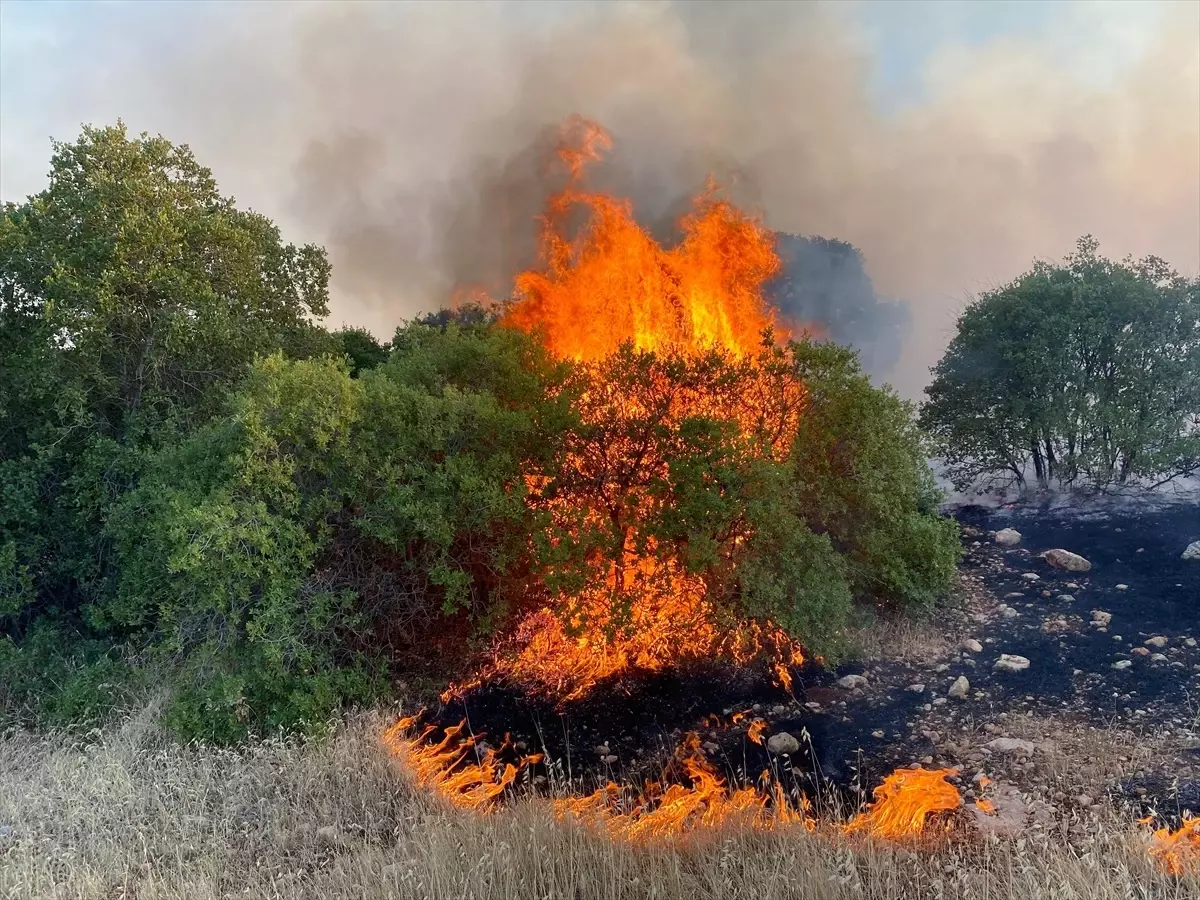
pixel 1088 371
pixel 132 297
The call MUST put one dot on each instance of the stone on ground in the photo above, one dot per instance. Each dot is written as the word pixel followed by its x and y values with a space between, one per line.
pixel 958 690
pixel 1008 537
pixel 1192 551
pixel 1010 662
pixel 1011 746
pixel 782 743
pixel 1066 560
pixel 972 646
pixel 850 682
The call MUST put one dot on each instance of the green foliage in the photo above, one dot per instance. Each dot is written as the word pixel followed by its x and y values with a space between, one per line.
pixel 1085 371
pixel 132 297
pixel 65 680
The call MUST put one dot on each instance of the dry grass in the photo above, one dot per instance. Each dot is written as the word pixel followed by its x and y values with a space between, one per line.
pixel 126 814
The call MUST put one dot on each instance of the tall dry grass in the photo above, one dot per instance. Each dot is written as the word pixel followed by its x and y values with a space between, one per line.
pixel 126 813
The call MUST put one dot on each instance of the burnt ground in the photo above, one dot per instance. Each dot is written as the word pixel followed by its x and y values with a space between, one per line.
pixel 1092 730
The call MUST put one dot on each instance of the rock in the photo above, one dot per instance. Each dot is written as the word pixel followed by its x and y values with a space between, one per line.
pixel 1010 537
pixel 602 750
pixel 960 688
pixel 1066 560
pixel 1122 664
pixel 1192 551
pixel 1008 612
pixel 971 646
pixel 611 759
pixel 852 682
pixel 710 748
pixel 1101 618
pixel 1122 587
pixel 1010 662
pixel 1066 598
pixel 782 743
pixel 1158 657
pixel 1031 577
pixel 1157 642
pixel 1189 642
pixel 877 733
pixel 1140 651
pixel 917 688
pixel 1010 746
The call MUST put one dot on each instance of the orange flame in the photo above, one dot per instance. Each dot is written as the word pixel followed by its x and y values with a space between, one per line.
pixel 601 287
pixel 1178 851
pixel 904 801
pixel 612 283
pixel 446 767
pixel 707 804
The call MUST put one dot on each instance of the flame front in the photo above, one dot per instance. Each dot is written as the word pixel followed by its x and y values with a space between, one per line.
pixel 905 801
pixel 1178 851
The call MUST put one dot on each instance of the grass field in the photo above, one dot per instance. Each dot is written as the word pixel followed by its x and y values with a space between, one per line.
pixel 126 813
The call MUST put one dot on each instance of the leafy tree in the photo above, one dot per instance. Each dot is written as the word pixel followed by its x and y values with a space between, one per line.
pixel 1087 371
pixel 132 297
pixel 364 351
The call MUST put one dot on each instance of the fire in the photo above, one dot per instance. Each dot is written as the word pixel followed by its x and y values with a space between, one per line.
pixel 707 803
pixel 613 283
pixel 604 291
pixel 905 800
pixel 1178 851
pixel 456 767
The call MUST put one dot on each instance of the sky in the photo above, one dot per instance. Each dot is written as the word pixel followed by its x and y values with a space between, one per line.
pixel 953 141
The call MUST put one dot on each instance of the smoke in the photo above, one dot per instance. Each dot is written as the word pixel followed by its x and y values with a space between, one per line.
pixel 411 139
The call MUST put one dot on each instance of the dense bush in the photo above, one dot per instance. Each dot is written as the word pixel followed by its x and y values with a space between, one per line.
pixel 277 519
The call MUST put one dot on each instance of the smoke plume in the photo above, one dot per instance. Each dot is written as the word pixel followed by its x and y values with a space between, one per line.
pixel 411 140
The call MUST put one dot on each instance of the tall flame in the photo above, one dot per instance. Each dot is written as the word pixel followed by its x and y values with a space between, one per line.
pixel 612 283
pixel 1178 851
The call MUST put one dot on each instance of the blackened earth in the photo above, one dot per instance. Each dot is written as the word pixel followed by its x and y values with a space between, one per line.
pixel 627 730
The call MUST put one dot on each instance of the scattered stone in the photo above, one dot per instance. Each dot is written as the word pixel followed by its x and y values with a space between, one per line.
pixel 602 750
pixel 1192 551
pixel 1066 598
pixel 960 688
pixel 1101 618
pixel 1031 577
pixel 1158 657
pixel 852 682
pixel 972 646
pixel 1011 746
pixel 1140 651
pixel 1010 537
pixel 782 744
pixel 942 667
pixel 710 748
pixel 1122 664
pixel 1189 642
pixel 611 759
pixel 877 733
pixel 1013 595
pixel 1157 642
pixel 1066 560
pixel 1010 662
pixel 1008 612
pixel 1122 587
pixel 917 688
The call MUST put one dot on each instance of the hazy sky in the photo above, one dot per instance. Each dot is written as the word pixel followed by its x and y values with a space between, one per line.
pixel 952 142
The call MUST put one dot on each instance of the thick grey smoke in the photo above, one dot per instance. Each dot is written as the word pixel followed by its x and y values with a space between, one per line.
pixel 411 139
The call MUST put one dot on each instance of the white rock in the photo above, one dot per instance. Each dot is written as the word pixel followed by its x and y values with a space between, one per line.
pixel 1122 664
pixel 1101 618
pixel 1122 587
pixel 1157 642
pixel 960 688
pixel 1008 537
pixel 782 743
pixel 851 682
pixel 1031 576
pixel 1008 612
pixel 1192 551
pixel 917 688
pixel 1066 598
pixel 1014 746
pixel 1066 560
pixel 1010 662
pixel 1158 657
pixel 972 646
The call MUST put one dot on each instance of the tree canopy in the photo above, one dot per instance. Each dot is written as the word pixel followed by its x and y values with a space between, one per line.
pixel 1083 372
